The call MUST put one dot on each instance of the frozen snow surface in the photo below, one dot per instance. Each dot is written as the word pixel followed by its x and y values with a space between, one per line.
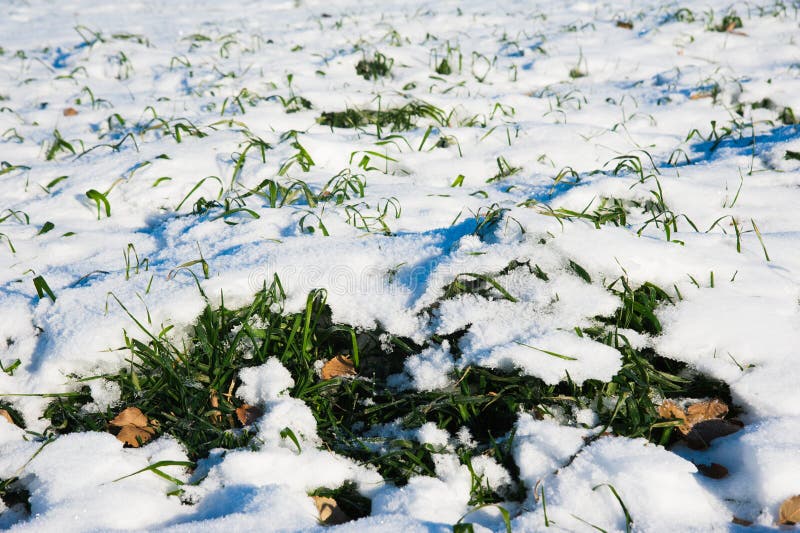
pixel 560 91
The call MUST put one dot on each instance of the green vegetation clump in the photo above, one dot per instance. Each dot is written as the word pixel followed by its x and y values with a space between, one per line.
pixel 188 389
pixel 402 118
pixel 378 67
pixel 444 68
pixel 729 22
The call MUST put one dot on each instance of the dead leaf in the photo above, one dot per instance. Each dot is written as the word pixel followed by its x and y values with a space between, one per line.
pixel 713 470
pixel 131 416
pixel 247 414
pixel 135 436
pixel 669 409
pixel 790 511
pixel 70 112
pixel 625 24
pixel 338 366
pixel 135 429
pixel 698 96
pixel 5 414
pixel 697 412
pixel 700 411
pixel 741 521
pixel 216 414
pixel 329 512
pixel 702 433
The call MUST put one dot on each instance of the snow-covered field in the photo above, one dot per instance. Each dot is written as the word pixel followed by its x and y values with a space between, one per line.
pixel 551 158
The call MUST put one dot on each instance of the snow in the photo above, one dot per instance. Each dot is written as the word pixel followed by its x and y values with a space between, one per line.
pixel 263 383
pixel 74 483
pixel 431 368
pixel 643 93
pixel 657 487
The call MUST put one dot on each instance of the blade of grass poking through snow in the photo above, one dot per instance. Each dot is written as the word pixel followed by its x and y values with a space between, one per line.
pixel 186 266
pixel 760 239
pixel 548 352
pixel 544 507
pixel 197 186
pixel 491 282
pixel 47 226
pixel 597 528
pixel 628 519
pixel 580 271
pixel 4 483
pixel 43 288
pixel 154 468
pixel 503 512
pixel 8 240
pixel 44 395
pixel 100 200
pixel 288 433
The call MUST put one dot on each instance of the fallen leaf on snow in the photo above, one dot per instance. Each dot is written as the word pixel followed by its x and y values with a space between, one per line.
pixel 329 512
pixel 70 112
pixel 5 414
pixel 247 414
pixel 741 521
pixel 790 511
pixel 135 429
pixel 338 366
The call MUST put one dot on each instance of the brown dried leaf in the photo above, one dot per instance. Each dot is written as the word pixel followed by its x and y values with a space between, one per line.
pixel 215 414
pixel 625 24
pixel 713 470
pixel 741 521
pixel 5 414
pixel 247 414
pixel 134 426
pixel 702 433
pixel 134 435
pixel 697 412
pixel 70 112
pixel 329 512
pixel 699 95
pixel 131 416
pixel 790 511
pixel 338 366
pixel 669 409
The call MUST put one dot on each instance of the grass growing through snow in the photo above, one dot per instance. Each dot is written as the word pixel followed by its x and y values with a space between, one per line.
pixel 188 388
pixel 377 67
pixel 401 118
